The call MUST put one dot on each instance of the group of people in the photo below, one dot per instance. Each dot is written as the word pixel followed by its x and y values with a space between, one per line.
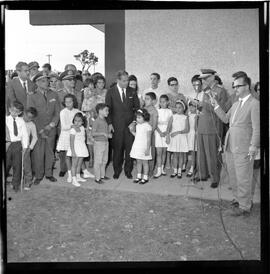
pixel 88 125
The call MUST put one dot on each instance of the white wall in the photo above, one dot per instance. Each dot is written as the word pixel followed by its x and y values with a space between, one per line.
pixel 181 42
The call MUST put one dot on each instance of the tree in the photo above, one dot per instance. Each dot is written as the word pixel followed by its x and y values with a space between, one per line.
pixel 86 59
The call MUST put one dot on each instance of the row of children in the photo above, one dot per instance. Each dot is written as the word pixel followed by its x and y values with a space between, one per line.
pixel 161 132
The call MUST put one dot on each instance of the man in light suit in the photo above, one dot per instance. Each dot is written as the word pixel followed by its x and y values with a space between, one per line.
pixel 241 143
pixel 123 102
pixel 20 87
pixel 47 105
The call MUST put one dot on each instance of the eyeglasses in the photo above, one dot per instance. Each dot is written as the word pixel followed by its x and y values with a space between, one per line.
pixel 238 86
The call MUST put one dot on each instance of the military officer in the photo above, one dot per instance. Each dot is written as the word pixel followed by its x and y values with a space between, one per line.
pixel 33 69
pixel 47 105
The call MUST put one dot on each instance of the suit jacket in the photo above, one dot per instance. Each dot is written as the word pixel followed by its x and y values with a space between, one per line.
pixel 16 92
pixel 121 114
pixel 245 129
pixel 48 109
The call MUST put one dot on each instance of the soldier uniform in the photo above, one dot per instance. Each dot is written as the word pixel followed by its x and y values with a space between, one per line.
pixel 47 106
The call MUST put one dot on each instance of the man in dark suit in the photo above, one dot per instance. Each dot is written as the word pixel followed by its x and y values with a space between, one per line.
pixel 47 105
pixel 123 103
pixel 20 87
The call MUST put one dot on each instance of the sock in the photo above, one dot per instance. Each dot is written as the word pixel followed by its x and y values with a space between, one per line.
pixel 191 169
pixel 139 175
pixel 85 170
pixel 179 170
pixel 175 170
pixel 158 170
pixel 184 166
pixel 69 173
pixel 78 175
pixel 162 168
pixel 145 177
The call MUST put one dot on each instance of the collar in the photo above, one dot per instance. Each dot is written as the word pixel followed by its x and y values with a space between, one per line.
pixel 22 81
pixel 244 99
pixel 120 89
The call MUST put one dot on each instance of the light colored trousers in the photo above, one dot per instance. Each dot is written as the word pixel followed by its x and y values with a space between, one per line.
pixel 240 170
pixel 101 151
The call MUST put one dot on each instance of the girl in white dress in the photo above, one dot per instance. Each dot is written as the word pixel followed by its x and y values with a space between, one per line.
pixel 164 115
pixel 66 117
pixel 178 127
pixel 78 149
pixel 191 137
pixel 141 148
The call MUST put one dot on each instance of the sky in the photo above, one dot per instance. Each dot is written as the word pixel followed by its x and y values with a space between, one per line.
pixel 24 42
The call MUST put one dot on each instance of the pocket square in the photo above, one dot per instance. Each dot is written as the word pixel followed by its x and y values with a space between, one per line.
pixel 130 97
pixel 52 100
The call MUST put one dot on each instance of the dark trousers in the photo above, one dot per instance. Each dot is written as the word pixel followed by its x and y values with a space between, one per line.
pixel 14 160
pixel 152 162
pixel 208 159
pixel 43 156
pixel 122 143
pixel 27 167
pixel 62 157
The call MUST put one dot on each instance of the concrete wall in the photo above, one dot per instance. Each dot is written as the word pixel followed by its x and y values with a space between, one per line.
pixel 180 42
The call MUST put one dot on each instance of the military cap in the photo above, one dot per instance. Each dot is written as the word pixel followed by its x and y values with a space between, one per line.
pixel 206 72
pixel 67 74
pixel 53 74
pixel 39 76
pixel 33 64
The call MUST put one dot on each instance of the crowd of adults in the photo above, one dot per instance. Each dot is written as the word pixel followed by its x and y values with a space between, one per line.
pixel 222 124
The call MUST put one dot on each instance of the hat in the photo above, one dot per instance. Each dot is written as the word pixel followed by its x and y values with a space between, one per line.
pixel 53 74
pixel 39 76
pixel 67 74
pixel 33 64
pixel 206 72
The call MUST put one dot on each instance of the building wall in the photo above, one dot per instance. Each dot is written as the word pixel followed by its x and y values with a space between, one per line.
pixel 181 42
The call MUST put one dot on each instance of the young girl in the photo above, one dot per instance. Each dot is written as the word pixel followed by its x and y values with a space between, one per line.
pixel 141 148
pixel 89 96
pixel 77 149
pixel 191 137
pixel 164 115
pixel 66 117
pixel 178 127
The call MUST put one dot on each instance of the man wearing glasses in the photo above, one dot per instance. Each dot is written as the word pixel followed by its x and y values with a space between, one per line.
pixel 45 101
pixel 241 143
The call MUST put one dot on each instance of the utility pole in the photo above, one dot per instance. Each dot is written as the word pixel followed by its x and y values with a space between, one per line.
pixel 49 58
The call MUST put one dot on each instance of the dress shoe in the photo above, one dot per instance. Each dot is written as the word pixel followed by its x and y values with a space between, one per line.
pixel 129 176
pixel 37 181
pixel 62 173
pixel 236 212
pixel 51 178
pixel 137 180
pixel 105 178
pixel 143 181
pixel 214 185
pixel 173 175
pixel 115 176
pixel 197 179
pixel 179 175
pixel 99 181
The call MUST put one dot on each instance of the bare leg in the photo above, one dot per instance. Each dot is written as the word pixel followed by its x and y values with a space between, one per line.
pixel 139 169
pixel 145 169
pixel 74 166
pixel 175 161
pixel 79 165
pixel 159 156
pixel 68 162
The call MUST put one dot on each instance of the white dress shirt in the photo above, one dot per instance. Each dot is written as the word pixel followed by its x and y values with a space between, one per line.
pixel 121 90
pixel 22 130
pixel 26 84
pixel 158 93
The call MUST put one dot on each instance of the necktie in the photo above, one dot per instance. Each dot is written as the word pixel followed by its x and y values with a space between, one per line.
pixel 15 128
pixel 24 86
pixel 237 109
pixel 123 95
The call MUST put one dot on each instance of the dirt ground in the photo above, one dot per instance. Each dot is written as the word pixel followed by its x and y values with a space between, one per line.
pixel 53 223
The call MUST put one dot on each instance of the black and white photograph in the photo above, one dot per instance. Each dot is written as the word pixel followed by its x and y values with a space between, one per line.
pixel 133 135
